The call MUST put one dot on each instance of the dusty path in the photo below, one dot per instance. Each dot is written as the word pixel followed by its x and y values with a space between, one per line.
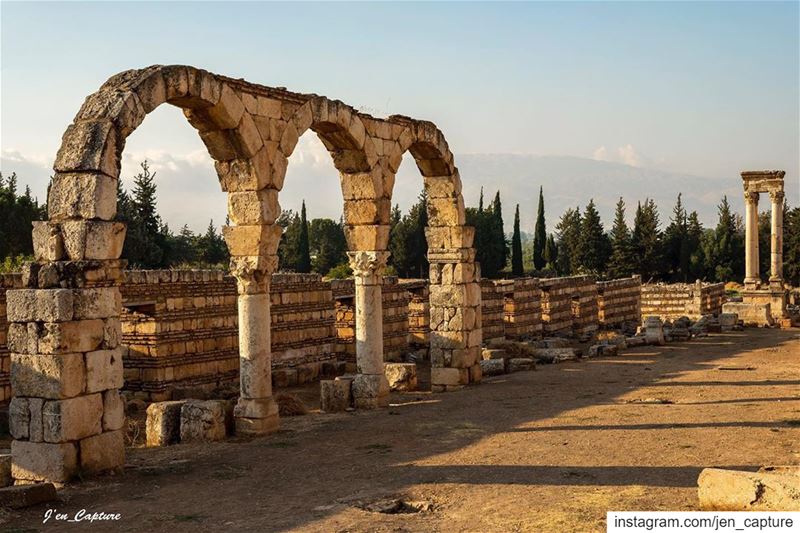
pixel 549 450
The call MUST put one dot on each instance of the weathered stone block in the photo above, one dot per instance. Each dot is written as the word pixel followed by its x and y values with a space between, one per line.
pixel 493 367
pixel 335 395
pixel 82 195
pixel 22 496
pixel 46 305
pixel 92 239
pixel 104 370
pixel 41 461
pixel 368 237
pixel 253 207
pixel 401 376
pixel 256 240
pixel 19 417
pixel 102 452
pixel 113 411
pixel 102 302
pixel 52 376
pixel 517 364
pixel 163 426
pixel 370 391
pixel 729 490
pixel 70 337
pixel 203 420
pixel 72 419
pixel 89 146
pixel 229 109
pixel 48 243
pixel 449 376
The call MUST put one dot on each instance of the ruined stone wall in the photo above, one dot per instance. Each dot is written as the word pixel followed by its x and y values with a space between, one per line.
pixel 7 281
pixel 670 301
pixel 619 301
pixel 569 305
pixel 395 319
pixel 493 309
pixel 522 308
pixel 419 313
pixel 303 331
pixel 179 329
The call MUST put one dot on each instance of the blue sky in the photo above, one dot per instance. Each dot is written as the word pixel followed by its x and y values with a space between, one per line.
pixel 706 89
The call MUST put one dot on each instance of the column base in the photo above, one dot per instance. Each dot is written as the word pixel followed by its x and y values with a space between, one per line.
pixel 370 391
pixel 256 416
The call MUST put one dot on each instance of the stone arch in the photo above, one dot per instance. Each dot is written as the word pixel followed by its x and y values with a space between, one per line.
pixel 455 297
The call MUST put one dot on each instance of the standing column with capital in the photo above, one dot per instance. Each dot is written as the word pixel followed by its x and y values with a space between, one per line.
pixel 370 387
pixel 256 412
pixel 751 276
pixel 776 239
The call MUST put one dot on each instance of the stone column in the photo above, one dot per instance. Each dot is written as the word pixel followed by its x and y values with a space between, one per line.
pixel 751 276
pixel 256 412
pixel 370 387
pixel 776 238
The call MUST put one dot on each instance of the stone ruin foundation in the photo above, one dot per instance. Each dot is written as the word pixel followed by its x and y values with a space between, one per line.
pixel 671 301
pixel 619 302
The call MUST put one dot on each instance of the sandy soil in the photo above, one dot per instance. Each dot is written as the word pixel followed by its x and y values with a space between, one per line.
pixel 550 450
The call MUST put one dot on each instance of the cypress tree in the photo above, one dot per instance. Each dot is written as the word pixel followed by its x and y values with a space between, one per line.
pixel 303 245
pixel 621 263
pixel 480 201
pixel 594 246
pixel 516 248
pixel 550 253
pixel 539 234
pixel 499 233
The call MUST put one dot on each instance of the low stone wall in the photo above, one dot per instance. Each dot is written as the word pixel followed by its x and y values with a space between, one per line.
pixel 7 281
pixel 569 305
pixel 419 313
pixel 523 309
pixel 303 334
pixel 671 301
pixel 619 301
pixel 493 309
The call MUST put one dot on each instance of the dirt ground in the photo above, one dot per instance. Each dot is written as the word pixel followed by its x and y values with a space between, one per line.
pixel 549 450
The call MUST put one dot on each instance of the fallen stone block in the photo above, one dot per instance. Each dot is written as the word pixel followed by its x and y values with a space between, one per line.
pixel 493 367
pixel 205 420
pixel 335 395
pixel 163 426
pixel 518 364
pixel 654 331
pixel 21 496
pixel 728 320
pixel 42 461
pixel 636 340
pixel 730 490
pixel 370 391
pixel 401 376
pixel 493 353
pixel 554 355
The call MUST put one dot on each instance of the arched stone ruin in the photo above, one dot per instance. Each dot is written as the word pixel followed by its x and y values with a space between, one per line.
pixel 65 324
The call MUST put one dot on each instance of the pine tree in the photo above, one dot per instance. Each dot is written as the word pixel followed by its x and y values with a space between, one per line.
pixel 722 246
pixel 697 259
pixel 407 242
pixel 327 244
pixel 791 250
pixel 516 248
pixel 211 247
pixel 646 240
pixel 304 249
pixel 569 232
pixel 676 252
pixel 539 234
pixel 594 246
pixel 145 240
pixel 622 259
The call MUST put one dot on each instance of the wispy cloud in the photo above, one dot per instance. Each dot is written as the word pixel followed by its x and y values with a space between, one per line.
pixel 627 155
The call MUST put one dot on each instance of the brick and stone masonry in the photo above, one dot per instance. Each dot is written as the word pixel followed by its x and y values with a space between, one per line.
pixel 493 309
pixel 522 308
pixel 7 281
pixel 419 314
pixel 671 301
pixel 619 301
pixel 569 306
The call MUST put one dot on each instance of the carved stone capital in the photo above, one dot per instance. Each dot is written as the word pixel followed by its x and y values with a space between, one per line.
pixel 751 197
pixel 368 267
pixel 776 197
pixel 253 273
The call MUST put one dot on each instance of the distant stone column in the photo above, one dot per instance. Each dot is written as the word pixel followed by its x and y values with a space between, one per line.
pixel 256 412
pixel 751 276
pixel 776 238
pixel 370 387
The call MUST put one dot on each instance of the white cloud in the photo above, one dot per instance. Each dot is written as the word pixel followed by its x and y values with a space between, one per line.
pixel 601 154
pixel 627 155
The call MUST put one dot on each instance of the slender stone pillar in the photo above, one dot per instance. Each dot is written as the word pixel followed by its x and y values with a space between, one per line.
pixel 776 238
pixel 751 276
pixel 370 387
pixel 256 412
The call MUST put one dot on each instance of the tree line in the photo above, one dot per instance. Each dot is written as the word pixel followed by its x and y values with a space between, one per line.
pixel 682 251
